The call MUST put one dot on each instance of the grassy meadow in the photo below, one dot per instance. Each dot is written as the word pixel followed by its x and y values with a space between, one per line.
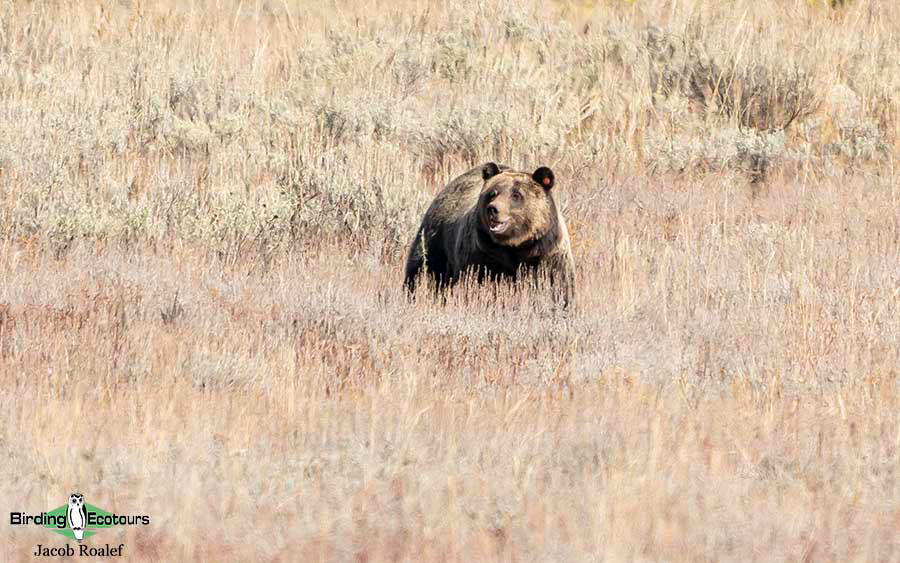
pixel 205 208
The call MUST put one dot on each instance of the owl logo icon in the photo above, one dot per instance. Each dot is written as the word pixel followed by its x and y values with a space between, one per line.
pixel 75 515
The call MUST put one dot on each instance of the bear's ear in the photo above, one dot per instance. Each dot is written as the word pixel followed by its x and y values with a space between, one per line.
pixel 544 177
pixel 489 170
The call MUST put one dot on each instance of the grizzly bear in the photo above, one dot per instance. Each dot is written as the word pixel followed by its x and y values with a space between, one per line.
pixel 496 223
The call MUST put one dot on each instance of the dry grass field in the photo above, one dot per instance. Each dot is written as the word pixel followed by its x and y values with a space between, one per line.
pixel 204 213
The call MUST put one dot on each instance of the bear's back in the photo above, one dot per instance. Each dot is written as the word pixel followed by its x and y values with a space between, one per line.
pixel 458 197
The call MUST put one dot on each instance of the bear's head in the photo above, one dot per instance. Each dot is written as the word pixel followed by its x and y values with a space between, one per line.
pixel 516 207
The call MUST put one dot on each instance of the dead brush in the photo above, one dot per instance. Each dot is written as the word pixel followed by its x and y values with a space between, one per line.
pixel 324 204
pixel 767 95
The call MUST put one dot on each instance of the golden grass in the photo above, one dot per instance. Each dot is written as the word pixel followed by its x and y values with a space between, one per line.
pixel 204 209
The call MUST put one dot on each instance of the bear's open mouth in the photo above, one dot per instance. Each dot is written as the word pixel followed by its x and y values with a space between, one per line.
pixel 498 227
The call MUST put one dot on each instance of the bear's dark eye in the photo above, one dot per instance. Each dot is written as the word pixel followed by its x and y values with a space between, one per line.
pixel 492 194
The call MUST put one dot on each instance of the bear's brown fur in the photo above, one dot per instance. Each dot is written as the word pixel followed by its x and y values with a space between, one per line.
pixel 497 223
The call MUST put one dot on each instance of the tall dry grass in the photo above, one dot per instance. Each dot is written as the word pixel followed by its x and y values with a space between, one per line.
pixel 203 214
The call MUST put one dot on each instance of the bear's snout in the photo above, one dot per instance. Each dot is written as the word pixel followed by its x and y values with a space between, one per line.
pixel 492 210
